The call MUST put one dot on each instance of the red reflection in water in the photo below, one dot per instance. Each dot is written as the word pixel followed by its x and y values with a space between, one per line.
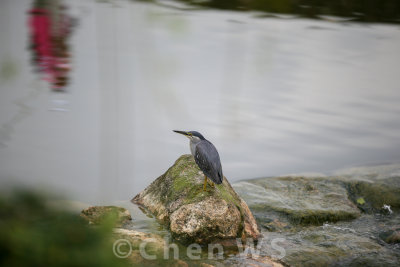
pixel 50 28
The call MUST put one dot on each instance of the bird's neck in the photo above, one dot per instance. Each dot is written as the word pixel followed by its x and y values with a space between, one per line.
pixel 193 145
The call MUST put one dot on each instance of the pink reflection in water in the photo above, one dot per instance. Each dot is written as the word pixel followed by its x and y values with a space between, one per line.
pixel 50 27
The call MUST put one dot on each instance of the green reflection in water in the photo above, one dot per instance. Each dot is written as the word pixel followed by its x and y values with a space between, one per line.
pixel 357 10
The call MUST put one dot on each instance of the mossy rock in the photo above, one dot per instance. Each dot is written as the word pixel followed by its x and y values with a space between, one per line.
pixel 101 214
pixel 300 200
pixel 374 192
pixel 177 199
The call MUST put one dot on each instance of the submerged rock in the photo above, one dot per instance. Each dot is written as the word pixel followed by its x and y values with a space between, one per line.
pixel 329 246
pixel 177 199
pixel 143 249
pixel 391 236
pixel 154 243
pixel 99 214
pixel 300 199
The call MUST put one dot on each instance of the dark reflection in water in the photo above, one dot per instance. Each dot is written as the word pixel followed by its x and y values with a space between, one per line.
pixel 357 10
pixel 50 28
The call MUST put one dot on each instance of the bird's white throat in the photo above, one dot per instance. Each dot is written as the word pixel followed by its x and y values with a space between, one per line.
pixel 194 140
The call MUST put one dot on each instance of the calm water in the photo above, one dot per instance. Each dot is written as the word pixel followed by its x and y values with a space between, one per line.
pixel 276 95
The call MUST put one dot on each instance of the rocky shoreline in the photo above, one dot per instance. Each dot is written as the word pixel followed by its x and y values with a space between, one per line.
pixel 298 220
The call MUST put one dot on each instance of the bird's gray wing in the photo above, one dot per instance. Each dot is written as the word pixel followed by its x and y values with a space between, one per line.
pixel 207 157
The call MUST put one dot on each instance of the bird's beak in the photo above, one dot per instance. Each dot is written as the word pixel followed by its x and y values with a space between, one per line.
pixel 182 132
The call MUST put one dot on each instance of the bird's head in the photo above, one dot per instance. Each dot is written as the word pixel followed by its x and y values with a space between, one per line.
pixel 192 135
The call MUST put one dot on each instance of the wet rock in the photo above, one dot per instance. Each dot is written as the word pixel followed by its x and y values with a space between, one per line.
pixel 276 225
pixel 262 262
pixel 301 200
pixel 373 192
pixel 143 249
pixel 330 246
pixel 177 199
pixel 154 243
pixel 100 214
pixel 391 236
pixel 180 263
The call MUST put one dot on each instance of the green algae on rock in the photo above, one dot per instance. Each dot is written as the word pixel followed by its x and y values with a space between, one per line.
pixel 177 199
pixel 99 214
pixel 302 200
pixel 375 192
pixel 315 200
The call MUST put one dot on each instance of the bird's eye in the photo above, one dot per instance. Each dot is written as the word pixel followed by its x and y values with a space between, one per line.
pixel 190 134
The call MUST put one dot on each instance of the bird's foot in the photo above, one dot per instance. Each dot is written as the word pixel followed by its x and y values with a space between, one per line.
pixel 203 190
pixel 206 181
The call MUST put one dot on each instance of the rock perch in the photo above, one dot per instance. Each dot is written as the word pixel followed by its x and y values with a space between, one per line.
pixel 217 215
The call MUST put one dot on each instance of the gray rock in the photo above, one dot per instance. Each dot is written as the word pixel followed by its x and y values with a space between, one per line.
pixel 302 200
pixel 177 199
pixel 391 236
pixel 292 207
pixel 329 245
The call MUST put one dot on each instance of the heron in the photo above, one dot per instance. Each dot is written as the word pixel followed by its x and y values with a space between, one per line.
pixel 206 157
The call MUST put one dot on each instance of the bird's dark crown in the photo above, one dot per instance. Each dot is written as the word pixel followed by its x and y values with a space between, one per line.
pixel 195 133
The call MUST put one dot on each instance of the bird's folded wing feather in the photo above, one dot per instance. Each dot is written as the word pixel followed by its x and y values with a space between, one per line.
pixel 207 158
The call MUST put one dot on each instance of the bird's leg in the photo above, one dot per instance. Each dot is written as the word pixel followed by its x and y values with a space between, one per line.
pixel 205 183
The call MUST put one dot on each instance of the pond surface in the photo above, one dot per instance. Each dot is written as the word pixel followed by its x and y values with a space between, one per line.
pixel 93 117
